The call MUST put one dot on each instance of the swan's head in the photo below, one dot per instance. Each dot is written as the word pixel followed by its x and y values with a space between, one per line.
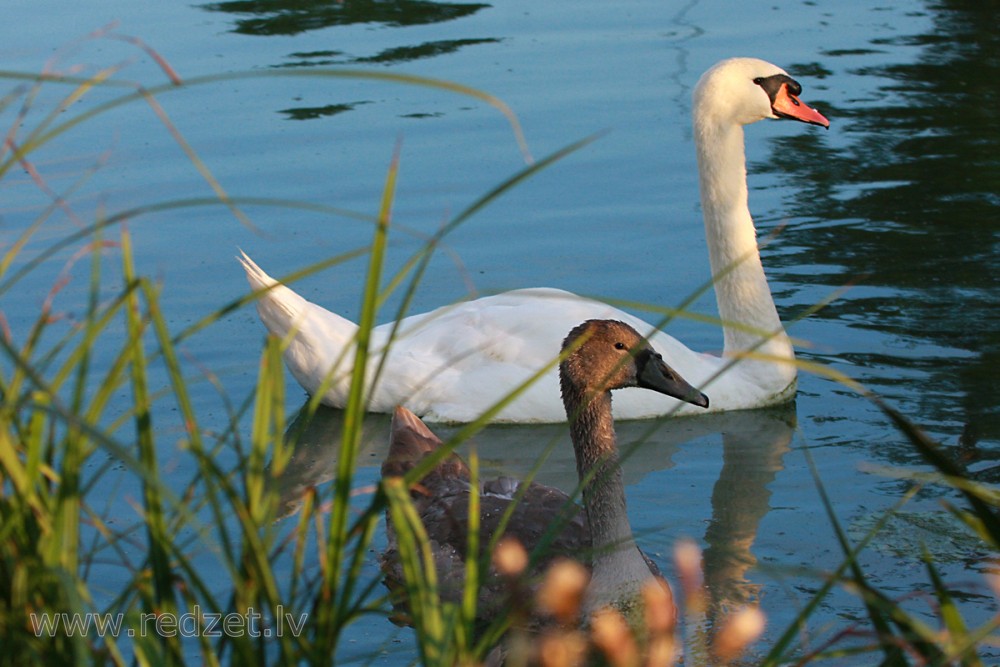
pixel 745 90
pixel 607 354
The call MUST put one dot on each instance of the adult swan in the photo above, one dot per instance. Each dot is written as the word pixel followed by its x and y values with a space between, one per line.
pixel 453 363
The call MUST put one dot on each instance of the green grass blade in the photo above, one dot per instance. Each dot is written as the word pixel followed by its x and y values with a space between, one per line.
pixel 465 621
pixel 419 574
pixel 953 621
pixel 163 600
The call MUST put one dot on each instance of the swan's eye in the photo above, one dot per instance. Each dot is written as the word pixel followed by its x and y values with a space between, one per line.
pixel 619 346
pixel 759 80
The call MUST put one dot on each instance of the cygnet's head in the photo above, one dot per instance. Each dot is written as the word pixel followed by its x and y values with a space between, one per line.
pixel 608 354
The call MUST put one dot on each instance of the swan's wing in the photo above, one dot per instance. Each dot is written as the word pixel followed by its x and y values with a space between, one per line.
pixel 541 512
pixel 454 363
pixel 459 360
pixel 447 529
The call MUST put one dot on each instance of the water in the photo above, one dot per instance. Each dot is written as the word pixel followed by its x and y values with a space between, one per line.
pixel 893 214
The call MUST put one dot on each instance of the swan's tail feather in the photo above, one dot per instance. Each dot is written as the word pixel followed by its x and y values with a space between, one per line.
pixel 279 307
pixel 404 420
pixel 255 275
pixel 317 339
pixel 409 442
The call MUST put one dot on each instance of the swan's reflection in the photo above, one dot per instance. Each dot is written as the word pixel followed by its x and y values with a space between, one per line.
pixel 753 446
pixel 315 437
pixel 754 442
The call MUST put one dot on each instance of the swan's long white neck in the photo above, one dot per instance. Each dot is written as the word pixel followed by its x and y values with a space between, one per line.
pixel 619 570
pixel 741 288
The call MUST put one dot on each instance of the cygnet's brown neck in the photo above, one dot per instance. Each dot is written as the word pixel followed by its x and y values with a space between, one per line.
pixel 618 566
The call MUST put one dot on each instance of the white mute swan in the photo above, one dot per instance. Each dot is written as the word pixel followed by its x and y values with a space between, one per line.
pixel 453 363
pixel 608 355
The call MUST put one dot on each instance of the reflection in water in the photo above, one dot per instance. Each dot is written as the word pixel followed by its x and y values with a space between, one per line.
pixel 281 17
pixel 316 442
pixel 911 205
pixel 309 113
pixel 392 56
pixel 425 50
pixel 754 442
pixel 753 447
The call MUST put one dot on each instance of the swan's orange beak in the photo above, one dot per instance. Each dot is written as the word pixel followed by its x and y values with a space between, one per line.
pixel 787 105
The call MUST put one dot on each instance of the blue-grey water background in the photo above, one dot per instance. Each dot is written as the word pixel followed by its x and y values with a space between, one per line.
pixel 893 214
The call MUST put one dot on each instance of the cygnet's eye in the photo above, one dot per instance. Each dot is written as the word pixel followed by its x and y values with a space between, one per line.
pixel 620 346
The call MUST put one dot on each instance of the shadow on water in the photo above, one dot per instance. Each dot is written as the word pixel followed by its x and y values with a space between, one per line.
pixel 909 210
pixel 754 444
pixel 280 17
pixel 265 18
pixel 390 56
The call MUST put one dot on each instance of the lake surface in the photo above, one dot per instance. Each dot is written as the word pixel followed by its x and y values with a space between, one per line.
pixel 892 215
